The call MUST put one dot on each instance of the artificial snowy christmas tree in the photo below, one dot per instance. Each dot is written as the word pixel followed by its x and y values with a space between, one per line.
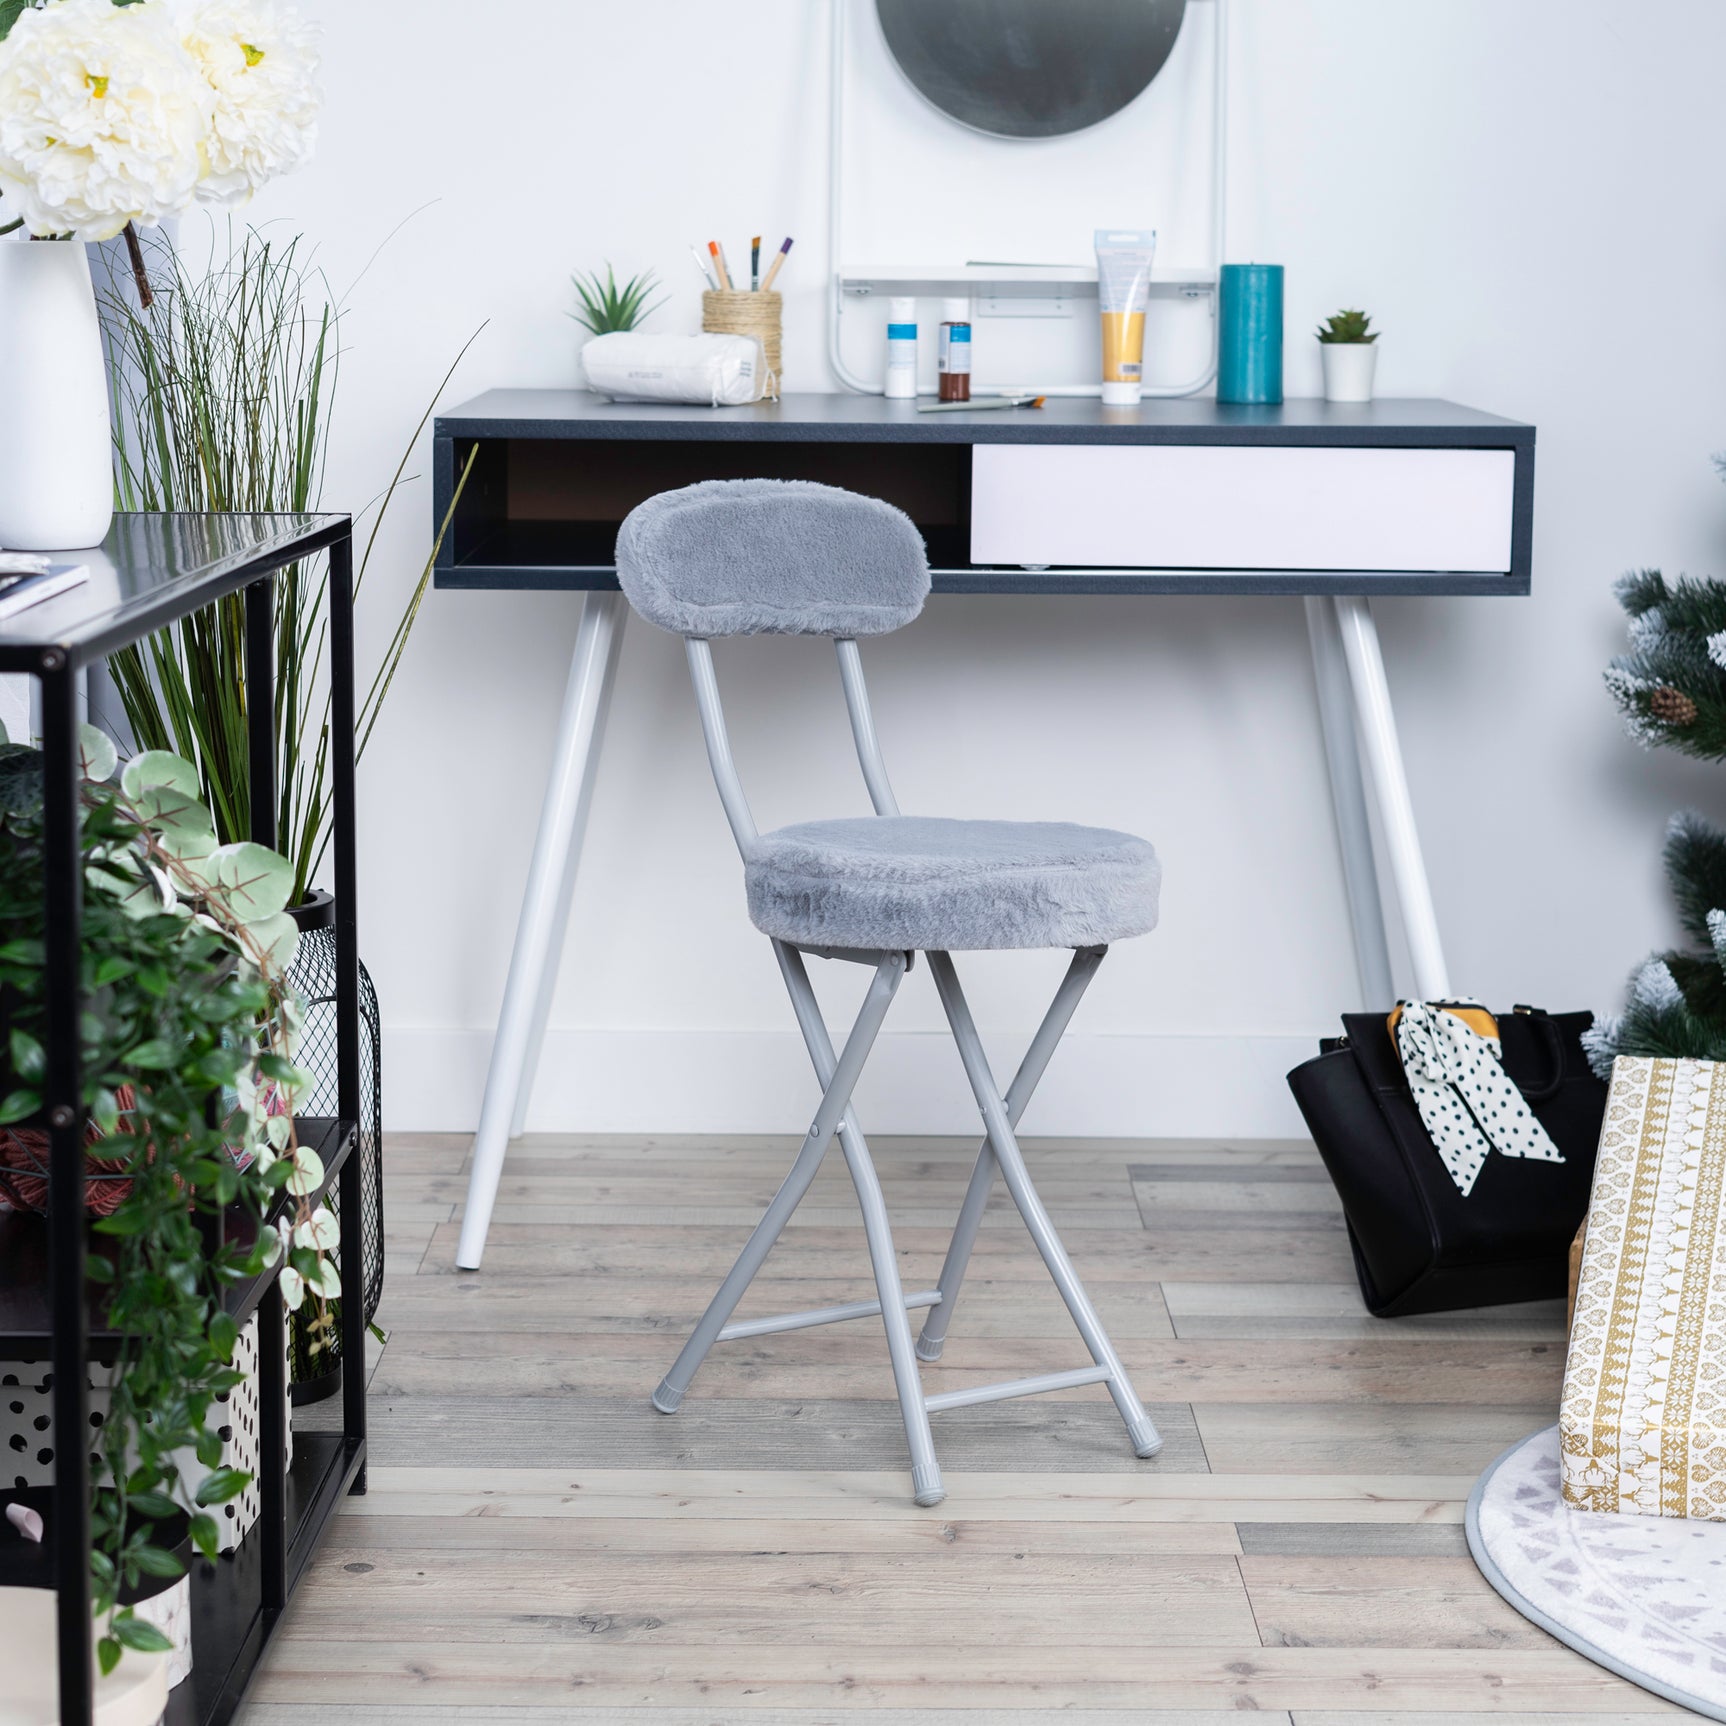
pixel 1671 686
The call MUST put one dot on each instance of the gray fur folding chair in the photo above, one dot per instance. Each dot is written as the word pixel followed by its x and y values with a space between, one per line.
pixel 776 557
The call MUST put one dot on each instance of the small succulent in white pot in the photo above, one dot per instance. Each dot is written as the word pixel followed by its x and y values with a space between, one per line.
pixel 1347 343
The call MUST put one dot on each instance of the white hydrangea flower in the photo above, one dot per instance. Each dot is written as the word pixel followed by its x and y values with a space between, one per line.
pixel 260 58
pixel 102 118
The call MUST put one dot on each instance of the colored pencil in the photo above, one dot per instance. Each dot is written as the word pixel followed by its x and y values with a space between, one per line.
pixel 718 258
pixel 773 268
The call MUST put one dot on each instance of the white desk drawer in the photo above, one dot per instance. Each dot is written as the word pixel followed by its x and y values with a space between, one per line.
pixel 1185 506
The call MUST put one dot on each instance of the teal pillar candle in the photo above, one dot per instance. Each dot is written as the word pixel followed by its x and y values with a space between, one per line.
pixel 1250 333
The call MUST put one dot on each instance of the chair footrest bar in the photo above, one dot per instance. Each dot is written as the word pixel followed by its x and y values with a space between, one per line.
pixel 1016 1387
pixel 820 1315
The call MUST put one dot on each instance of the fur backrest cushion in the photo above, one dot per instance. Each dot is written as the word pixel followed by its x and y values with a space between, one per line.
pixel 771 557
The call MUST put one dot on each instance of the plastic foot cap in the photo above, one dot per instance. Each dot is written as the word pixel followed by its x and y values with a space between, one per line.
pixel 929 1348
pixel 1147 1441
pixel 666 1399
pixel 926 1485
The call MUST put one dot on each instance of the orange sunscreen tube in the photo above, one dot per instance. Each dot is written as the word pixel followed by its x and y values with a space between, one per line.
pixel 1123 288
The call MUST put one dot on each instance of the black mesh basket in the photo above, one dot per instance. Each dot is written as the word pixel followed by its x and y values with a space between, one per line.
pixel 315 1365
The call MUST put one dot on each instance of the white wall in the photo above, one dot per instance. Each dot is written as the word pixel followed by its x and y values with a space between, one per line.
pixel 1525 196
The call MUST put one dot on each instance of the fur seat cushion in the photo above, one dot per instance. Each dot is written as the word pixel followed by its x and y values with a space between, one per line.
pixel 915 883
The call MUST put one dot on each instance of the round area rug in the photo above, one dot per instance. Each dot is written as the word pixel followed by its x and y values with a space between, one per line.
pixel 1643 1596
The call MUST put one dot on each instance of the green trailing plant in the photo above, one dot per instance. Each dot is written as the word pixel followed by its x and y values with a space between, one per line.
pixel 1671 689
pixel 1347 327
pixel 603 306
pixel 187 1039
pixel 223 390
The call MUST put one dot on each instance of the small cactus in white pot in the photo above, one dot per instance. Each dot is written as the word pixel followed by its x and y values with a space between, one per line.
pixel 1347 342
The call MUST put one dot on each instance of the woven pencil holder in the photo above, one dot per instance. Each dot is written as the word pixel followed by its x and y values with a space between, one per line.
pixel 744 314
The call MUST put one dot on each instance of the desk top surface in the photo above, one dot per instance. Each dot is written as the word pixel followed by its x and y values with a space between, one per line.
pixel 845 418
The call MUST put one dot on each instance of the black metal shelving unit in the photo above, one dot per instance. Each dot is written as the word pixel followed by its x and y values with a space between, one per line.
pixel 150 571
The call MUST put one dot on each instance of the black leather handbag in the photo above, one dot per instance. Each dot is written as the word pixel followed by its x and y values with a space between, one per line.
pixel 1419 1245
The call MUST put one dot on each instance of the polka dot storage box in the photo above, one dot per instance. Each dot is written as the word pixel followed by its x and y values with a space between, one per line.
pixel 1643 1423
pixel 27 1435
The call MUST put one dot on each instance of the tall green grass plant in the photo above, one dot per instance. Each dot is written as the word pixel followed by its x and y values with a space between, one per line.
pixel 223 391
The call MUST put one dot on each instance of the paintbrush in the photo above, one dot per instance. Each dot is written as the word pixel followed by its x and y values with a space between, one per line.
pixel 773 268
pixel 981 404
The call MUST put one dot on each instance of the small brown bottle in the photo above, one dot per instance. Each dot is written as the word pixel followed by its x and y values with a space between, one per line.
pixel 953 352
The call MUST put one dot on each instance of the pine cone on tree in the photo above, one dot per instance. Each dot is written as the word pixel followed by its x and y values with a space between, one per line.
pixel 1672 707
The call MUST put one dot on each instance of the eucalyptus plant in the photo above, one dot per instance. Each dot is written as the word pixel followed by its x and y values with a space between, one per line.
pixel 223 390
pixel 188 1033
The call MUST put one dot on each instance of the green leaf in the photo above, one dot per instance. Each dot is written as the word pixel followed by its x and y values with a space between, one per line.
pixel 209 1448
pixel 164 791
pixel 105 1111
pixel 156 1505
pixel 189 836
pixel 254 882
pixel 97 756
pixel 221 1484
pixel 19 1106
pixel 224 1333
pixel 29 1058
pixel 127 1220
pixel 154 1055
pixel 141 1635
pixel 156 1561
pixel 306 1172
pixel 205 1534
pixel 159 770
pixel 107 1649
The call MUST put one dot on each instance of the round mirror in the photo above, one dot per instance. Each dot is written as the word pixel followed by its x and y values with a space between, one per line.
pixel 1030 68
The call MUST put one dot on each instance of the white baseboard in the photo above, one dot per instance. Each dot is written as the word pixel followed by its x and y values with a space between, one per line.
pixel 761 1082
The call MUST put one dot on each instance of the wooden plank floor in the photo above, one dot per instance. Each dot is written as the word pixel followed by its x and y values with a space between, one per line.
pixel 540 1547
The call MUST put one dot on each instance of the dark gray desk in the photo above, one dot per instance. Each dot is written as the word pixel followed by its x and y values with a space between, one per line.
pixel 1334 503
pixel 557 470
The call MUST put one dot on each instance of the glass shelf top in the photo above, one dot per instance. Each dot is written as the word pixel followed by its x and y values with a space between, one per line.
pixel 152 569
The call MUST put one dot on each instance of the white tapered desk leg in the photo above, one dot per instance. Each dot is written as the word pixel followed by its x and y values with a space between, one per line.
pixel 1348 798
pixel 1377 725
pixel 544 910
pixel 565 891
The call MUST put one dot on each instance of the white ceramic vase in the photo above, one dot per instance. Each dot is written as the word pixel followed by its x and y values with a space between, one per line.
pixel 56 448
pixel 1348 369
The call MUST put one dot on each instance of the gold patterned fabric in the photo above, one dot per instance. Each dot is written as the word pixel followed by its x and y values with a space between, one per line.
pixel 1643 1424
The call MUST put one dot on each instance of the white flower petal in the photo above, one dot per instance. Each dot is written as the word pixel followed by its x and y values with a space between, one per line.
pixel 103 118
pixel 260 59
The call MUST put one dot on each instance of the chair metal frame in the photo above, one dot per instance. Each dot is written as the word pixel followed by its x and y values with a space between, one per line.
pixel 835 1117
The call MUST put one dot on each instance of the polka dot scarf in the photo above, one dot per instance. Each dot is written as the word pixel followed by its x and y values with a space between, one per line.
pixel 1465 1097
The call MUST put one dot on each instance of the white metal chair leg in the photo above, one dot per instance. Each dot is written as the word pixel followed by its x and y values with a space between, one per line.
pixel 925 1470
pixel 1395 808
pixel 1348 799
pixel 544 911
pixel 835 1102
pixel 1140 1431
pixel 939 1318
